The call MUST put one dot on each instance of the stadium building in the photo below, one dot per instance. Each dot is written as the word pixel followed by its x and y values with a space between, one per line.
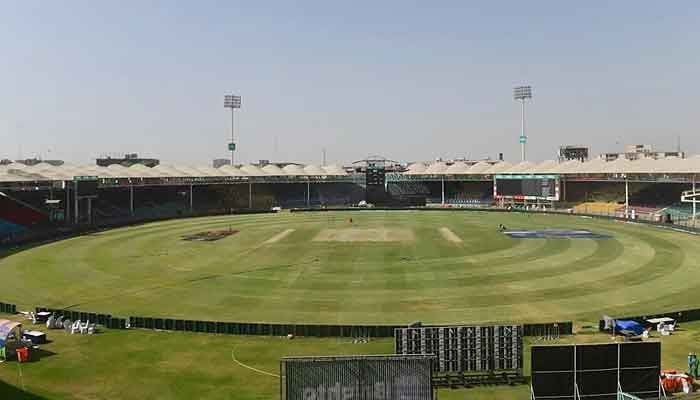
pixel 45 196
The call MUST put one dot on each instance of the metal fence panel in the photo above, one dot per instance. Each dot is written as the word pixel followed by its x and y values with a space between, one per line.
pixel 358 377
pixel 465 349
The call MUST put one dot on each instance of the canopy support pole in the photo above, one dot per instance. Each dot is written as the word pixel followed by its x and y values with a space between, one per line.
pixel 443 190
pixel 250 194
pixel 695 201
pixel 627 198
pixel 75 201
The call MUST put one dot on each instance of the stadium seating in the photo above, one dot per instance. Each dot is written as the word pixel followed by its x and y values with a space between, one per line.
pixel 8 229
pixel 19 213
pixel 599 208
pixel 680 211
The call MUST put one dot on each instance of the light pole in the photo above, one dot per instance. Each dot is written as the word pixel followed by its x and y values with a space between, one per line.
pixel 233 102
pixel 522 93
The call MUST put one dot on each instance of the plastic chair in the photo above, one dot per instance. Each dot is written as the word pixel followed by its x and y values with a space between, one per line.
pixel 84 328
pixel 75 328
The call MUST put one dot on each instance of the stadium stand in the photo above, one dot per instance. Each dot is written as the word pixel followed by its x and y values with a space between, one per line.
pixel 20 213
pixel 170 191
pixel 8 229
pixel 18 218
pixel 596 208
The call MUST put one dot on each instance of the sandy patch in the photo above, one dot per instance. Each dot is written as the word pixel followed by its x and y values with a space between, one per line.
pixel 279 236
pixel 365 235
pixel 449 235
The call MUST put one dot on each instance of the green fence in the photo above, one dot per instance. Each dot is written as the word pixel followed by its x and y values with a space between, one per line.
pixel 269 329
pixel 106 320
pixel 8 308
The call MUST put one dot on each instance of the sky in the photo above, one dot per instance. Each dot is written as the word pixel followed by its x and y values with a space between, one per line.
pixel 402 79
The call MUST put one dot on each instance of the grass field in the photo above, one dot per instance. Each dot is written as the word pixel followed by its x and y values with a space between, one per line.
pixel 144 364
pixel 384 267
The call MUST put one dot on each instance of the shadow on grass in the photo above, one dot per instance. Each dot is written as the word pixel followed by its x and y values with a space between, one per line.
pixel 14 393
pixel 39 354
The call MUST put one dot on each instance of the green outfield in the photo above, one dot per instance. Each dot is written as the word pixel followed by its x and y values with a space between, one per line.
pixel 141 364
pixel 383 267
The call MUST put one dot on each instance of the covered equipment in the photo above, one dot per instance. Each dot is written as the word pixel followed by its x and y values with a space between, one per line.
pixel 629 326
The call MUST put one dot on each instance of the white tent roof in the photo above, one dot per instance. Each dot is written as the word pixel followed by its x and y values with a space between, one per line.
pixel 417 167
pixel 314 170
pixel 334 170
pixel 518 168
pixel 594 166
pixel 479 167
pixel 458 168
pixel 436 168
pixel 252 170
pixel 273 170
pixel 293 169
pixel 497 168
pixel 209 171
pixel 165 171
pixel 619 166
pixel 228 170
pixel 566 166
pixel 545 167
pixel 17 172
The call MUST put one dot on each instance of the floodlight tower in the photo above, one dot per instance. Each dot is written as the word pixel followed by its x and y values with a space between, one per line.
pixel 233 102
pixel 522 93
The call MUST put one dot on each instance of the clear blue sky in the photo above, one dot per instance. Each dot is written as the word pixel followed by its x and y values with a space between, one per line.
pixel 408 80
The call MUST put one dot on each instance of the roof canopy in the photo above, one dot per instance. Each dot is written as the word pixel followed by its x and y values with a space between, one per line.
pixel 6 328
pixel 16 172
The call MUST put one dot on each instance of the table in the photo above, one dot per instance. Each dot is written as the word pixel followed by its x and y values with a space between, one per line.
pixel 35 337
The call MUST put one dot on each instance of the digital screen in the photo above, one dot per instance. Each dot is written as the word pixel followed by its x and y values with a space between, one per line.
pixel 87 188
pixel 526 187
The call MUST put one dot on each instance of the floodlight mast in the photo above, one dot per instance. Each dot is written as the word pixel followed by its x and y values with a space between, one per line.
pixel 233 102
pixel 522 93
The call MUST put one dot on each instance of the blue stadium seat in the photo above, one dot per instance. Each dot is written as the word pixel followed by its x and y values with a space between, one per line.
pixel 8 229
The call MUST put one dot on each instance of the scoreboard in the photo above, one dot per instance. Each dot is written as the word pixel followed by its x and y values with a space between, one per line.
pixel 86 186
pixel 527 187
pixel 375 175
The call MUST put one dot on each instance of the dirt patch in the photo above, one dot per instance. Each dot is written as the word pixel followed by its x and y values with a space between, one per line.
pixel 279 236
pixel 450 236
pixel 210 236
pixel 365 235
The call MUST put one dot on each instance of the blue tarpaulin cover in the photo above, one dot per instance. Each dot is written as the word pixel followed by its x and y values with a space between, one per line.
pixel 627 325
